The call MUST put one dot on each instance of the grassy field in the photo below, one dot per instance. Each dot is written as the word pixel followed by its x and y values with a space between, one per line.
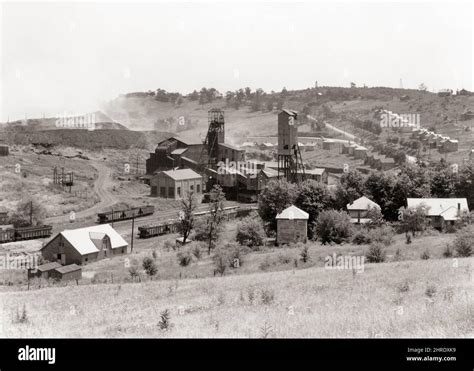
pixel 405 299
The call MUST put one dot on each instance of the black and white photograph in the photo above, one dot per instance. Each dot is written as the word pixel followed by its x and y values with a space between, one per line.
pixel 237 170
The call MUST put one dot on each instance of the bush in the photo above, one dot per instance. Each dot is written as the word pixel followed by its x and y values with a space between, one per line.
pixel 448 251
pixel 333 226
pixel 267 296
pixel 376 253
pixel 463 243
pixel 149 266
pixel 250 232
pixel 425 255
pixel 169 245
pixel 383 234
pixel 220 263
pixel 196 250
pixel 184 258
pixel 304 255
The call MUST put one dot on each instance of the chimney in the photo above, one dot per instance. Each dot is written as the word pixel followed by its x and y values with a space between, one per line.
pixel 459 206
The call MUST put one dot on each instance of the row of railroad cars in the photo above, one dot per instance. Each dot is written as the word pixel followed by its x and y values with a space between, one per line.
pixel 25 233
pixel 117 215
pixel 171 225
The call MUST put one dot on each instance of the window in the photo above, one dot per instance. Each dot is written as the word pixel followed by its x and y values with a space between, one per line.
pixel 191 187
pixel 170 191
pixel 179 191
pixel 198 188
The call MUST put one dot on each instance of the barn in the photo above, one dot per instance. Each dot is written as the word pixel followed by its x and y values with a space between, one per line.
pixel 84 245
pixel 292 226
pixel 175 183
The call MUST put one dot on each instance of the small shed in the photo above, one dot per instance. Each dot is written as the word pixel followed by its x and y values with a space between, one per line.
pixel 67 272
pixel 292 226
pixel 43 270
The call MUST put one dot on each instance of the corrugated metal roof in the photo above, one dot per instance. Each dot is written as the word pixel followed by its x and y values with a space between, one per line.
pixel 182 174
pixel 292 213
pixel 362 203
pixel 445 207
pixel 81 238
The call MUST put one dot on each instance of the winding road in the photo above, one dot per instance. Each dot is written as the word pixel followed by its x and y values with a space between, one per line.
pixel 101 184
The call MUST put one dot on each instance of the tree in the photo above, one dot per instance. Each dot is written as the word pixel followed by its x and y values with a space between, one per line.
pixel 312 197
pixel 333 226
pixel 149 266
pixel 350 188
pixel 413 219
pixel 214 220
pixel 465 184
pixel 380 186
pixel 250 232
pixel 274 198
pixel 422 87
pixel 186 215
pixel 29 212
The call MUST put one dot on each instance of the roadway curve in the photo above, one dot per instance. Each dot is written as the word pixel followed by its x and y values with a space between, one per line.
pixel 101 185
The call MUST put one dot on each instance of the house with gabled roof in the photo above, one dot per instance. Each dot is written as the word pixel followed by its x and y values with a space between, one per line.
pixel 84 245
pixel 360 208
pixel 440 211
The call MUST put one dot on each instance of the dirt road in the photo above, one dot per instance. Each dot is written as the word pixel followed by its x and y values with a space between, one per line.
pixel 101 186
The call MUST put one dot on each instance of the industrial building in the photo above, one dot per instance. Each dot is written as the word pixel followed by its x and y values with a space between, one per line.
pixel 179 165
pixel 175 183
pixel 84 245
pixel 172 152
pixel 292 226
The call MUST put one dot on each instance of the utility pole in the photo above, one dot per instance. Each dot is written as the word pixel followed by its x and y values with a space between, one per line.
pixel 133 227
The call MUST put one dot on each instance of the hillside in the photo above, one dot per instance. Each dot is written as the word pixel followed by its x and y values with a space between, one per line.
pixel 405 299
pixel 338 106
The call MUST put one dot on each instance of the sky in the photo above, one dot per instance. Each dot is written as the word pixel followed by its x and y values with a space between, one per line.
pixel 71 57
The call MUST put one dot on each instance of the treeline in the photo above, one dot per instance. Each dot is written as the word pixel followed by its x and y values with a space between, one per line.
pixel 388 190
